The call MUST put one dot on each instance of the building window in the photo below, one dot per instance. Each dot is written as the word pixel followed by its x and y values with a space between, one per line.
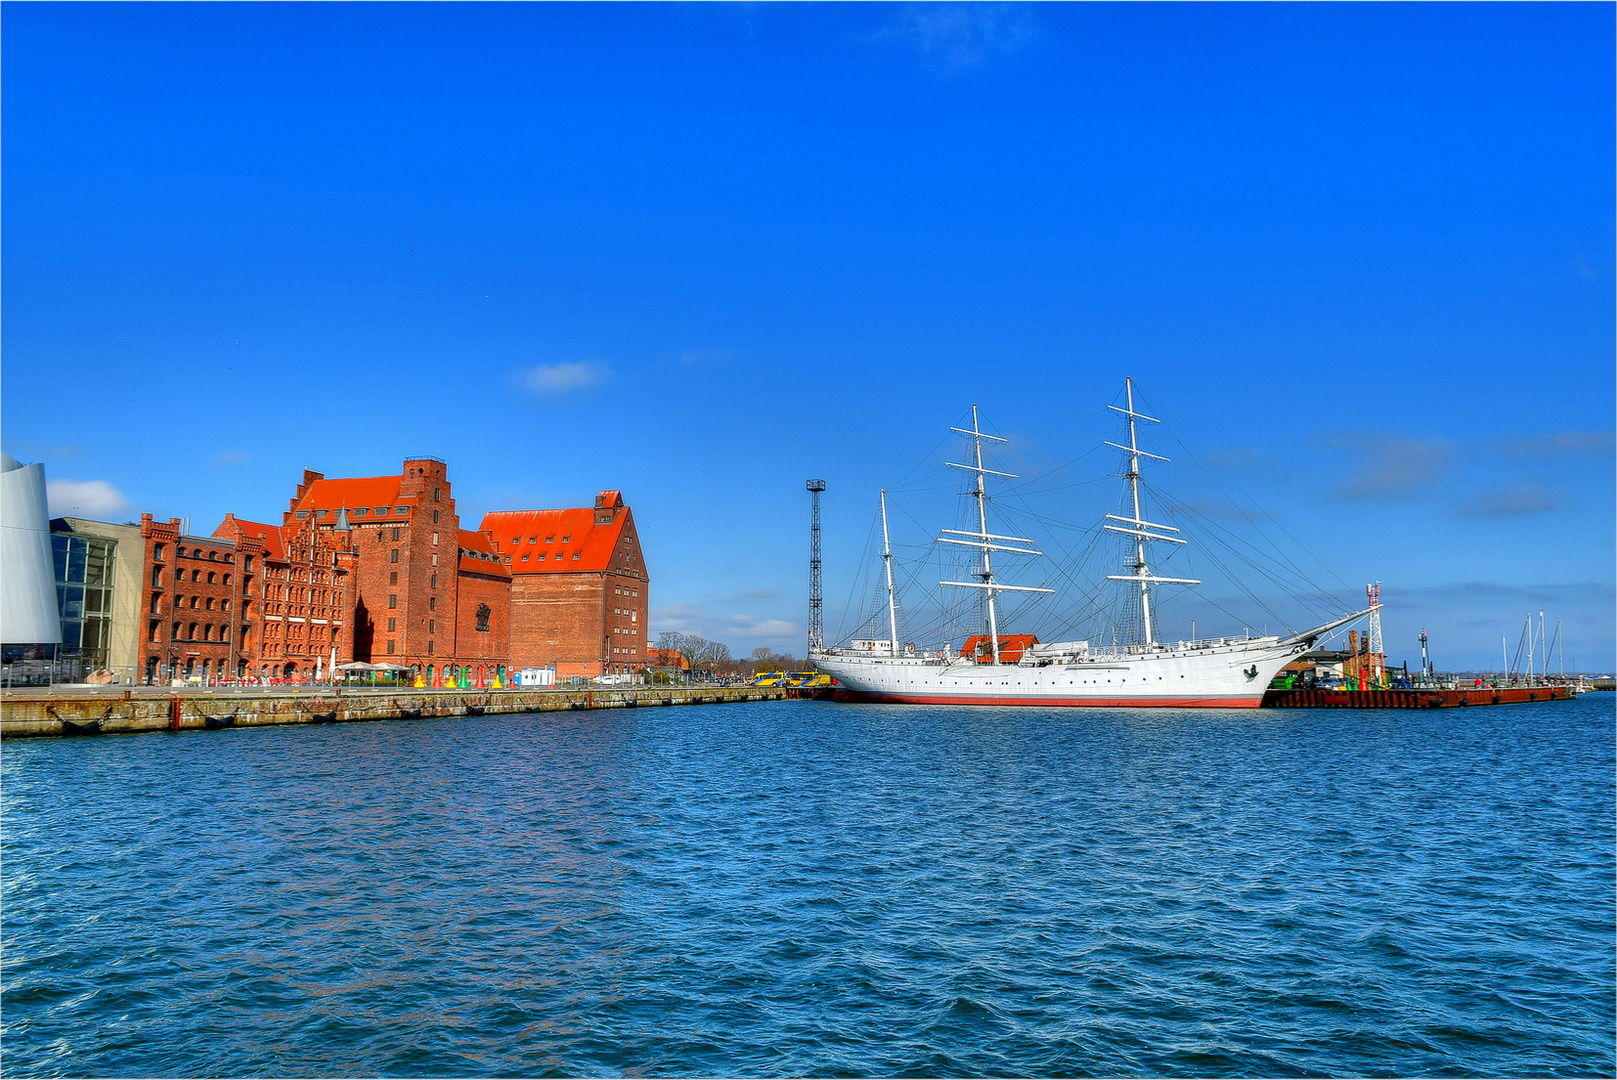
pixel 435 519
pixel 434 536
pixel 210 577
pixel 435 558
pixel 394 557
pixel 432 581
pixel 196 575
pixel 393 578
pixel 429 648
pixel 396 531
pixel 432 603
pixel 390 648
pixel 226 580
pixel 392 625
pixel 435 493
pixel 432 626
pixel 392 600
pixel 157 552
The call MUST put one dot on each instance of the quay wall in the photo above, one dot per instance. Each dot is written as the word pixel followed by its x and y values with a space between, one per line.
pixel 1435 698
pixel 57 713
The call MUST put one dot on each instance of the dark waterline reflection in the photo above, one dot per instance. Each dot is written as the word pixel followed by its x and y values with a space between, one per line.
pixel 798 888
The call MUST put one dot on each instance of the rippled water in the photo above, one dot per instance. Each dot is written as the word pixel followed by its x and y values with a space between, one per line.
pixel 801 888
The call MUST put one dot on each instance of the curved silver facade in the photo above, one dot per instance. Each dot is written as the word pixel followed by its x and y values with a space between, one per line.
pixel 28 614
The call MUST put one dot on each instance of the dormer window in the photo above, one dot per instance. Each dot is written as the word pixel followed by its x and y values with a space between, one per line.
pixel 381 511
pixel 551 538
pixel 359 511
pixel 568 539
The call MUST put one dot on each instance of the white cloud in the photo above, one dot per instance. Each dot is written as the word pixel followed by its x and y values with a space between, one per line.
pixel 84 498
pixel 953 37
pixel 565 378
pixel 739 631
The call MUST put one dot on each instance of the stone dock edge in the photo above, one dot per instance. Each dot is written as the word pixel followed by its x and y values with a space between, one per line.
pixel 120 713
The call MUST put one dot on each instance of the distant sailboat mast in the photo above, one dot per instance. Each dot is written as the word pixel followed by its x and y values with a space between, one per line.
pixel 1140 529
pixel 983 541
pixel 887 560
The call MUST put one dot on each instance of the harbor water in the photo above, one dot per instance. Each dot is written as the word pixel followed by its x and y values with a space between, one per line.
pixel 802 888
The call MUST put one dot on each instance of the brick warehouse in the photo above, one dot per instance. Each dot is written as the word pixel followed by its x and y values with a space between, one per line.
pixel 426 593
pixel 304 609
pixel 199 607
pixel 579 587
pixel 378 569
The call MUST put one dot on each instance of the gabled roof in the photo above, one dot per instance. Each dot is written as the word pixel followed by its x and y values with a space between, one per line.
pixel 478 556
pixel 368 492
pixel 558 541
pixel 270 534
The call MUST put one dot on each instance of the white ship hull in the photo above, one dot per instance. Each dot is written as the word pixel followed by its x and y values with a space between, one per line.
pixel 1229 674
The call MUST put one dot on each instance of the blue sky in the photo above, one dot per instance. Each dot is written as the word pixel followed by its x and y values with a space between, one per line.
pixel 1358 256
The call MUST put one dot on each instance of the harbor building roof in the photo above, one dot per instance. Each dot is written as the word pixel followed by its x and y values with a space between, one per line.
pixel 575 540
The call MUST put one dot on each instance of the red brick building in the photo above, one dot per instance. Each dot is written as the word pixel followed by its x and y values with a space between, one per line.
pixel 304 616
pixel 377 569
pixel 413 565
pixel 579 587
pixel 199 609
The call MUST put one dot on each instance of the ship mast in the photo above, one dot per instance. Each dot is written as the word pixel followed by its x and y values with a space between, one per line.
pixel 887 560
pixel 983 540
pixel 1140 529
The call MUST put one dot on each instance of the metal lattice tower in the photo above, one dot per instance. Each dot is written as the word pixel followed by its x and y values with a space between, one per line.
pixel 816 622
pixel 1373 592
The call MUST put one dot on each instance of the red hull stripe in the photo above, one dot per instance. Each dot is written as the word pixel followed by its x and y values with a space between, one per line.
pixel 1055 702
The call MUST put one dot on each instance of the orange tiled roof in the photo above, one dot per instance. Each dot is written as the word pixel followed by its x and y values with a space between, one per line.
pixel 478 556
pixel 1011 647
pixel 271 535
pixel 554 541
pixel 361 492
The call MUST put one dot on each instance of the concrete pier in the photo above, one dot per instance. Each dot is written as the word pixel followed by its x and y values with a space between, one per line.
pixel 42 713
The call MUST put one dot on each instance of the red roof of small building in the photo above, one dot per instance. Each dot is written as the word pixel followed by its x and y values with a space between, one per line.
pixel 1011 647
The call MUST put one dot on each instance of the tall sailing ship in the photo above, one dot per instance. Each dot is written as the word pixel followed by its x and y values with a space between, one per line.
pixel 1000 669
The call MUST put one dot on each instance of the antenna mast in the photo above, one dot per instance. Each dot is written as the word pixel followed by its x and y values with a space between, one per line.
pixel 1140 531
pixel 816 625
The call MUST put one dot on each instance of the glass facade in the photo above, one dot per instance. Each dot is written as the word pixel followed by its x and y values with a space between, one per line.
pixel 84 595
